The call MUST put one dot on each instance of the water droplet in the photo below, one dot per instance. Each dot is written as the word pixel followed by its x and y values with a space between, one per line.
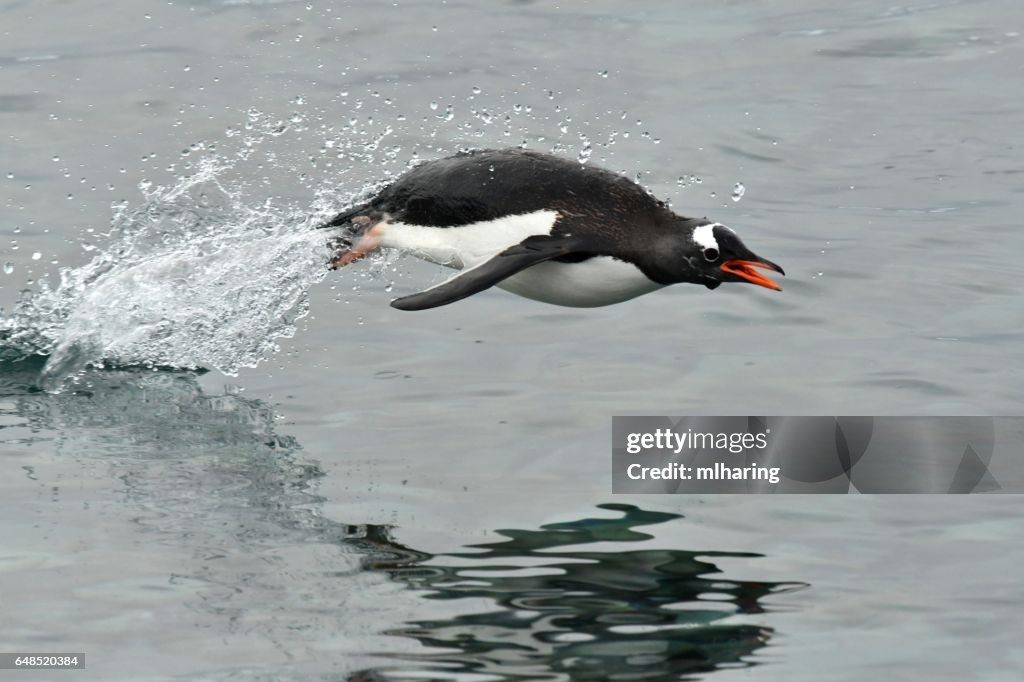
pixel 714 194
pixel 603 74
pixel 187 68
pixel 389 287
pixel 36 255
pixel 8 267
pixel 433 106
pixel 55 158
pixel 585 149
pixel 738 191
pixel 476 90
pixel 433 28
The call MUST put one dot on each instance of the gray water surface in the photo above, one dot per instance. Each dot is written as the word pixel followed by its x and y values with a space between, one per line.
pixel 395 495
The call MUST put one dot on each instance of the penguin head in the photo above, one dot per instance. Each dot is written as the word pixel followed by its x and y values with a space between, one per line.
pixel 715 254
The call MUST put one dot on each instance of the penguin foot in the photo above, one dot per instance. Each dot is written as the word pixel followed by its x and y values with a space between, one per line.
pixel 361 245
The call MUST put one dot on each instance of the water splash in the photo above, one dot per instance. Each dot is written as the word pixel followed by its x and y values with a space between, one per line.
pixel 192 278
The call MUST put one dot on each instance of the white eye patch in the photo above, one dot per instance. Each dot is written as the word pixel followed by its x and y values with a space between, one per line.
pixel 704 236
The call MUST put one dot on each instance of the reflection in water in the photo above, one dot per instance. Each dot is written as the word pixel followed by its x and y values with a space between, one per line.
pixel 559 613
pixel 208 476
pixel 193 465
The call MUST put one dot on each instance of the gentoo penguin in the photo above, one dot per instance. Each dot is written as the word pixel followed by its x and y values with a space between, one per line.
pixel 543 227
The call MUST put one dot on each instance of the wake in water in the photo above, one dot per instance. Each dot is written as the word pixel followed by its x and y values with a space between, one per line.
pixel 192 278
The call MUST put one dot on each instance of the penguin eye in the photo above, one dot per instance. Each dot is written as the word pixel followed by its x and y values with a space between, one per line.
pixel 711 255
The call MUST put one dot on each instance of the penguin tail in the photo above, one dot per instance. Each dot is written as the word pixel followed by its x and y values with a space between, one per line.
pixel 346 217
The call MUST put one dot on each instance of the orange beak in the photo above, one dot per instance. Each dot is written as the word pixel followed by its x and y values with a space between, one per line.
pixel 744 269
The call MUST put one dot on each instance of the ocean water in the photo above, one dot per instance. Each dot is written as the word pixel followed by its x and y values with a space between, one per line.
pixel 222 462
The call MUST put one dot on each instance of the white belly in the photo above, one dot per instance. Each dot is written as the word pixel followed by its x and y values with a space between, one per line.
pixel 598 281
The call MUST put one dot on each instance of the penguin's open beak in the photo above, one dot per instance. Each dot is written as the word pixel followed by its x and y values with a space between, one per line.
pixel 744 269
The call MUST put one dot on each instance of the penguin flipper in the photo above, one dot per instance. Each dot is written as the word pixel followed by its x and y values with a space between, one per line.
pixel 528 252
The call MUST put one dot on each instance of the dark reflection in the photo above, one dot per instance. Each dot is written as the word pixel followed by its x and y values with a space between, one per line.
pixel 558 611
pixel 209 477
pixel 194 466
